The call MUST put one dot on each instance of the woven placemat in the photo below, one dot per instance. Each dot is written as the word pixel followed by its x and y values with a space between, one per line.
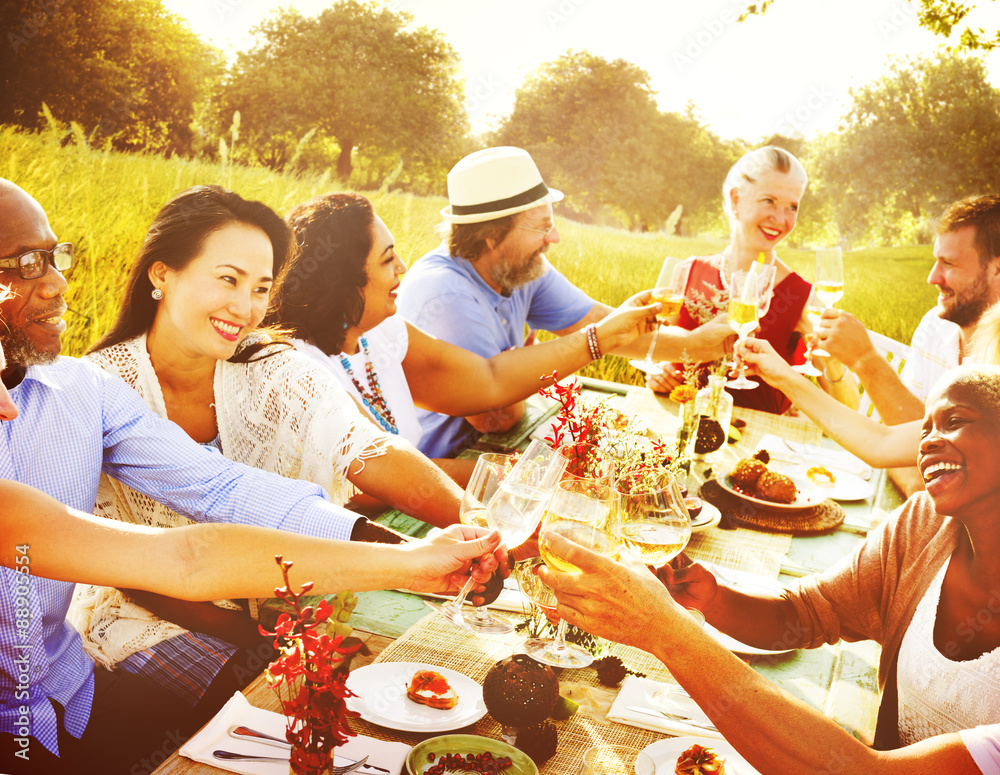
pixel 435 641
pixel 826 516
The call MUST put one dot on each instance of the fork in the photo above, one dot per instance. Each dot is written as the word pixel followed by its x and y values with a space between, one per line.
pixel 334 769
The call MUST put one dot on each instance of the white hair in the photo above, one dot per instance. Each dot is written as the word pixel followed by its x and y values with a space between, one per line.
pixel 752 165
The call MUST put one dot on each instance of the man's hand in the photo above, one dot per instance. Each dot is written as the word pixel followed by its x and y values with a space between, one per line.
pixel 762 360
pixel 444 563
pixel 844 337
pixel 635 317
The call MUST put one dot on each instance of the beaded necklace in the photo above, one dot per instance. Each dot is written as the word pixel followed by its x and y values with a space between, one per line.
pixel 373 400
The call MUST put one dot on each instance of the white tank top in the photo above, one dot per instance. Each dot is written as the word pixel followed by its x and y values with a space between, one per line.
pixel 938 695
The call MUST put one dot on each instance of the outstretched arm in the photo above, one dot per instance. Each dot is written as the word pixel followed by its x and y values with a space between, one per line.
pixel 882 446
pixel 775 732
pixel 213 561
pixel 451 380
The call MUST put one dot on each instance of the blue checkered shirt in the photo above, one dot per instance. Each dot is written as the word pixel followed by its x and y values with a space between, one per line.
pixel 75 421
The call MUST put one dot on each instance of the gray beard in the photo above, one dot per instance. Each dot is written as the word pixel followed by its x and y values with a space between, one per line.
pixel 508 278
pixel 20 351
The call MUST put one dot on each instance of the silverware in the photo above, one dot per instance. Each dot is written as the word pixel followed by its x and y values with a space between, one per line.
pixel 672 717
pixel 334 770
pixel 246 733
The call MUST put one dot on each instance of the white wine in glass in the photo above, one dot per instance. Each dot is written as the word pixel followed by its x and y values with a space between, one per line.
pixel 829 276
pixel 584 511
pixel 669 290
pixel 654 521
pixel 749 299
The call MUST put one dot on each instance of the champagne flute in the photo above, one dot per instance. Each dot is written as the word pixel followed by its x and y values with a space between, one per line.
pixel 669 290
pixel 829 286
pixel 749 300
pixel 490 469
pixel 586 512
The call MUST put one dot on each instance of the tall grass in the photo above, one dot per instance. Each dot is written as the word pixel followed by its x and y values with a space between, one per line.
pixel 104 201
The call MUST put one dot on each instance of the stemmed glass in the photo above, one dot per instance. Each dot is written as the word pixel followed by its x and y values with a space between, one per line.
pixel 814 308
pixel 749 299
pixel 669 291
pixel 655 523
pixel 588 461
pixel 586 512
pixel 829 286
pixel 490 470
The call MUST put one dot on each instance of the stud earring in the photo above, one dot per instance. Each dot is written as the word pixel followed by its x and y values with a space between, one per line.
pixel 157 294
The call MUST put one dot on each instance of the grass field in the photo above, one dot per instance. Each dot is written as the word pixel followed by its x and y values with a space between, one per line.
pixel 104 202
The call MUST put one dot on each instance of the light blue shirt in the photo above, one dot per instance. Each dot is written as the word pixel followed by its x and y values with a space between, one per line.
pixel 76 420
pixel 446 297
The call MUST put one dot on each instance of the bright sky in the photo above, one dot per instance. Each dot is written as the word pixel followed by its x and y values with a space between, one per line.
pixel 788 71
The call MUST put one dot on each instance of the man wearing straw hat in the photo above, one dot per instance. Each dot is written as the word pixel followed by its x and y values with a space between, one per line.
pixel 490 278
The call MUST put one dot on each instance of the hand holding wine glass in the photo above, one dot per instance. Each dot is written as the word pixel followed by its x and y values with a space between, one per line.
pixel 490 470
pixel 586 512
pixel 669 290
pixel 749 299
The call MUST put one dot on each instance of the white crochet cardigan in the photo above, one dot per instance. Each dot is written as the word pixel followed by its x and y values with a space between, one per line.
pixel 283 414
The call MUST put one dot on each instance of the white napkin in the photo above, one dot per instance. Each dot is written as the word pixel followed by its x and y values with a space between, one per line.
pixel 639 691
pixel 812 455
pixel 215 735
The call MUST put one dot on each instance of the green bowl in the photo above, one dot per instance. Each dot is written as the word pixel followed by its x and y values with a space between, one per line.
pixel 417 762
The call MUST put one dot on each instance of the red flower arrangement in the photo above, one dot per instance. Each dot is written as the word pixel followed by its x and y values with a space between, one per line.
pixel 313 670
pixel 586 420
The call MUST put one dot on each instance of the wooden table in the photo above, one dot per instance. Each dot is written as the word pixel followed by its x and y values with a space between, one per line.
pixel 839 680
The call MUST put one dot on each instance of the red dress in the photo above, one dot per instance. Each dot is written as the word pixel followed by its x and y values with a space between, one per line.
pixel 778 326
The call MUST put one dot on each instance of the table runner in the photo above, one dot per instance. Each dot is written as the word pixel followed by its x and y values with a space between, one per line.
pixel 437 642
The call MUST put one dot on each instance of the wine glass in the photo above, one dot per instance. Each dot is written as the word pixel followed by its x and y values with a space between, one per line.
pixel 669 290
pixel 654 521
pixel 749 299
pixel 829 285
pixel 489 471
pixel 814 308
pixel 586 512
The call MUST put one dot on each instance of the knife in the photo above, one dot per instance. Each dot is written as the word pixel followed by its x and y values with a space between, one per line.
pixel 665 716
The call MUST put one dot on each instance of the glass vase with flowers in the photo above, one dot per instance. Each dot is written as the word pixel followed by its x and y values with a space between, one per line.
pixel 311 674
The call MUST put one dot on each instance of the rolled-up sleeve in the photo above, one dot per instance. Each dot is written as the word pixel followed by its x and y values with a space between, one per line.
pixel 156 457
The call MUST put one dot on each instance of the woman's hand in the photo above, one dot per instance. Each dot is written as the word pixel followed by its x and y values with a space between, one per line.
pixel 762 360
pixel 443 563
pixel 716 335
pixel 635 317
pixel 666 380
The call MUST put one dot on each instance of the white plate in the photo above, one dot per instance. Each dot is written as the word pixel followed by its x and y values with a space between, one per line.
pixel 847 486
pixel 710 517
pixel 807 497
pixel 382 700
pixel 664 754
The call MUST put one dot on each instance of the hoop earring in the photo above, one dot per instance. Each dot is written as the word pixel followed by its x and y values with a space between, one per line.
pixel 157 294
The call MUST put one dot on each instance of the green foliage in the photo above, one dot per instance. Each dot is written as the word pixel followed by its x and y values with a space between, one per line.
pixel 939 16
pixel 924 135
pixel 594 130
pixel 357 74
pixel 127 71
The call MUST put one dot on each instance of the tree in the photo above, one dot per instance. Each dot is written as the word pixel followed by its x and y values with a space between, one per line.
pixel 357 73
pixel 125 70
pixel 939 16
pixel 593 128
pixel 913 141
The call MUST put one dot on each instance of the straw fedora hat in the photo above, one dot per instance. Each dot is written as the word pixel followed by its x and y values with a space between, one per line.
pixel 495 182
